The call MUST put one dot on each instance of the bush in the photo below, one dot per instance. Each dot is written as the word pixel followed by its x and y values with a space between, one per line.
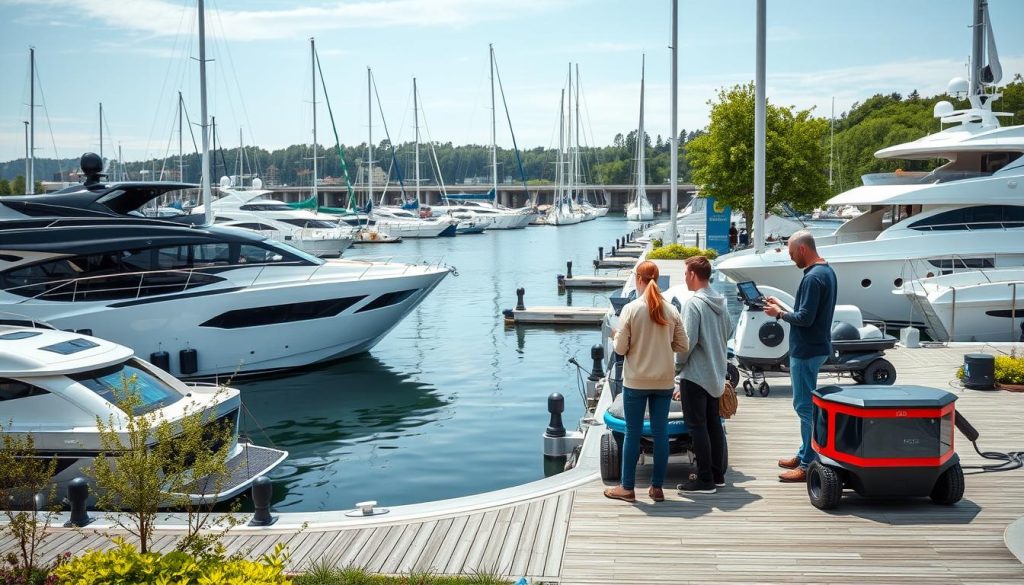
pixel 680 252
pixel 123 565
pixel 1010 369
pixel 656 243
pixel 322 573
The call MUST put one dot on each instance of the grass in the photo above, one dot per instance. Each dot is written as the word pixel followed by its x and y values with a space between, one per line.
pixel 323 572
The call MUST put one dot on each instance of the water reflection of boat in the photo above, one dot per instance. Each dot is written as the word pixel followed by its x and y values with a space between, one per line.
pixel 330 418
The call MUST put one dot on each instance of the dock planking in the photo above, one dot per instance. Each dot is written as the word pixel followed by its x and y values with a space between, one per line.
pixel 754 530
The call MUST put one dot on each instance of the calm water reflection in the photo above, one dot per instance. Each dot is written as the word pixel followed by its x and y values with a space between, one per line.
pixel 452 402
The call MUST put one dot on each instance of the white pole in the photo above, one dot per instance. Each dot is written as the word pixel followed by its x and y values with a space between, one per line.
pixel 120 163
pixel 207 194
pixel 641 144
pixel 560 170
pixel 101 135
pixel 494 131
pixel 977 45
pixel 181 149
pixel 30 179
pixel 759 134
pixel 831 140
pixel 369 140
pixel 312 56
pixel 416 123
pixel 673 198
pixel 26 147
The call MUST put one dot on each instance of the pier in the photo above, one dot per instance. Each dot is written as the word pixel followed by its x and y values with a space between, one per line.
pixel 562 530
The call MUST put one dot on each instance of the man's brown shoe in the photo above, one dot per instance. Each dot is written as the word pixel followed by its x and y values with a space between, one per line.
pixel 789 463
pixel 793 476
pixel 620 493
pixel 656 493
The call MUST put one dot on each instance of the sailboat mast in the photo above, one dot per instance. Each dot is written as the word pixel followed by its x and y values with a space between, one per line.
pixel 568 146
pixel 207 194
pixel 101 133
pixel 494 132
pixel 641 143
pixel 977 45
pixel 369 140
pixel 181 137
pixel 312 56
pixel 831 140
pixel 416 123
pixel 560 172
pixel 241 149
pixel 26 147
pixel 120 163
pixel 579 174
pixel 30 182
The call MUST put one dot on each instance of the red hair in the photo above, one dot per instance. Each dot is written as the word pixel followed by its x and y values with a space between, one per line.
pixel 647 271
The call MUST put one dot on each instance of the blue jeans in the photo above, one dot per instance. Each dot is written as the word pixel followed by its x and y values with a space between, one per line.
pixel 634 403
pixel 804 373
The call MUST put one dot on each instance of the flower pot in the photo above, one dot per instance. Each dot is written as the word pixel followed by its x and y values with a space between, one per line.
pixel 1010 387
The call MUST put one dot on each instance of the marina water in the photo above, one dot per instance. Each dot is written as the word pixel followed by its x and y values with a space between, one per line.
pixel 452 402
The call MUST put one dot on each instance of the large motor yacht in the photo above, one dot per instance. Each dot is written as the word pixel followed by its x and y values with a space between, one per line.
pixel 210 300
pixel 55 385
pixel 967 214
pixel 253 210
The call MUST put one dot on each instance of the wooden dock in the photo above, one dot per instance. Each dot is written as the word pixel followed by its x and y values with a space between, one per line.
pixel 592 282
pixel 754 530
pixel 589 316
pixel 615 262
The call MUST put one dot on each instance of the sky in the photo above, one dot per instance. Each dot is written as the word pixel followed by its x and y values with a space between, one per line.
pixel 134 56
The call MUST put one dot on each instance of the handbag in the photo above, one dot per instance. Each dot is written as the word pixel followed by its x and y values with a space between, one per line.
pixel 728 403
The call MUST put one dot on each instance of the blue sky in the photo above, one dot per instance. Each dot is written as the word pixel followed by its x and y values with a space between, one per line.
pixel 134 55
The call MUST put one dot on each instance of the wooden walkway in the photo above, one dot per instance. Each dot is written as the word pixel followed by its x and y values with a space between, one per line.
pixel 755 530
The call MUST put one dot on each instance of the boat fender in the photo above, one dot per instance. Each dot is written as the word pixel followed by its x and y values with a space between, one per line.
pixel 188 361
pixel 161 359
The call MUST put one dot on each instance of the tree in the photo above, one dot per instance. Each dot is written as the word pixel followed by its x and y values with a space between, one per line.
pixel 22 476
pixel 158 463
pixel 18 186
pixel 5 187
pixel 722 160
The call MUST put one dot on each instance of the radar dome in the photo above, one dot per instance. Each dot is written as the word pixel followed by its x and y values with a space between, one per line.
pixel 943 109
pixel 225 182
pixel 257 183
pixel 91 163
pixel 957 86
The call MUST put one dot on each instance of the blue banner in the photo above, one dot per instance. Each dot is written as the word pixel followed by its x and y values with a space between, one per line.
pixel 718 220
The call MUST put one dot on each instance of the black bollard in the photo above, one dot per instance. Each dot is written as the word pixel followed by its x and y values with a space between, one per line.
pixel 556 406
pixel 560 278
pixel 568 269
pixel 519 299
pixel 262 489
pixel 78 493
pixel 597 354
pixel 613 251
pixel 600 252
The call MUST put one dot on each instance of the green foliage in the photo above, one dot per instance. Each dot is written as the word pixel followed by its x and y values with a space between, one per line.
pixel 123 565
pixel 156 463
pixel 656 243
pixel 5 187
pixel 22 475
pixel 18 185
pixel 324 573
pixel 680 252
pixel 796 154
pixel 1010 369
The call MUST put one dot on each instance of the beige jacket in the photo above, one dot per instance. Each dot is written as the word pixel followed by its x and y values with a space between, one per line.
pixel 649 348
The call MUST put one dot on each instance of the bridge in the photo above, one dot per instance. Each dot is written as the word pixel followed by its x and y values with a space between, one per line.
pixel 509 194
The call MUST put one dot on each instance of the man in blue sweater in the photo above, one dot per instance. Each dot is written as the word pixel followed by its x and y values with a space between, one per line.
pixel 810 340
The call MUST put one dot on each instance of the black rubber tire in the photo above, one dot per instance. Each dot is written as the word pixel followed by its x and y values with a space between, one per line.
pixel 880 372
pixel 857 376
pixel 949 488
pixel 748 388
pixel 732 373
pixel 824 486
pixel 764 389
pixel 611 461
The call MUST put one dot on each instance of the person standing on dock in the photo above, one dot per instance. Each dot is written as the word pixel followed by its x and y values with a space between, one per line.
pixel 734 236
pixel 649 334
pixel 707 325
pixel 810 340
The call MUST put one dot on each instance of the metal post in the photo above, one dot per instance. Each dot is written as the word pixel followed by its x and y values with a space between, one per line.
pixel 205 181
pixel 26 156
pixel 30 177
pixel 759 133
pixel 1013 310
pixel 952 321
pixel 674 139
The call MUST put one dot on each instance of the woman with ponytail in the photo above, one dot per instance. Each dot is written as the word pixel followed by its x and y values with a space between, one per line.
pixel 650 333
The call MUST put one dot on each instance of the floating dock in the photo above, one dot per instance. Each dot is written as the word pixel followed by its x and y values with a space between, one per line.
pixel 631 251
pixel 614 262
pixel 557 316
pixel 592 282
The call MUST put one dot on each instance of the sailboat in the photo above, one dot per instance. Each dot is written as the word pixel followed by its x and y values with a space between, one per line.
pixel 564 211
pixel 501 217
pixel 640 209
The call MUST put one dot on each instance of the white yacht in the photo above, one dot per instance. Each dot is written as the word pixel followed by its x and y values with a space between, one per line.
pixel 54 385
pixel 974 305
pixel 500 217
pixel 640 208
pixel 404 223
pixel 967 214
pixel 252 209
pixel 691 223
pixel 218 301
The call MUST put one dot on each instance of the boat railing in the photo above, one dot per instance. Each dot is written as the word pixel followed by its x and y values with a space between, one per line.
pixel 970 226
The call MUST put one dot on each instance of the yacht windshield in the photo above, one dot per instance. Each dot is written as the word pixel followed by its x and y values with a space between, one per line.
pixel 310 223
pixel 287 250
pixel 113 382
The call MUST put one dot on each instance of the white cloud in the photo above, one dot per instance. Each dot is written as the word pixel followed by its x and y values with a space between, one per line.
pixel 161 18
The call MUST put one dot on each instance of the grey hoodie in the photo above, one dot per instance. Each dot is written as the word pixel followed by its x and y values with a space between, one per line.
pixel 707 325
